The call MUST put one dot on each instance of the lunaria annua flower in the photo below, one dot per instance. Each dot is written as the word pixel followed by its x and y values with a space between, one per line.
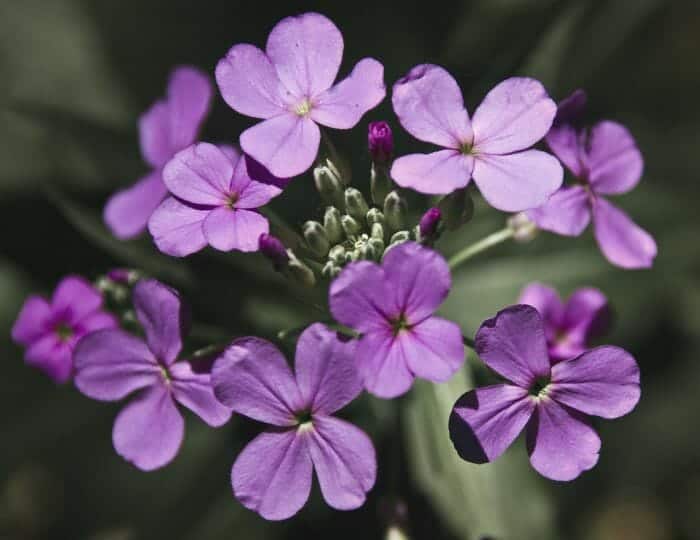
pixel 170 125
pixel 569 326
pixel 213 202
pixel 273 473
pixel 492 147
pixel 111 364
pixel 604 160
pixel 51 329
pixel 289 86
pixel 392 306
pixel 549 401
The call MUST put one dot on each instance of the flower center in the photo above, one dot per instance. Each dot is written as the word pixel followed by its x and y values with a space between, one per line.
pixel 467 148
pixel 63 331
pixel 303 107
pixel 399 324
pixel 164 373
pixel 539 387
pixel 231 200
pixel 304 419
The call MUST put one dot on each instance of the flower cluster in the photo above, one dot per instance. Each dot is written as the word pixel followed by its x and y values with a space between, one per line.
pixel 374 257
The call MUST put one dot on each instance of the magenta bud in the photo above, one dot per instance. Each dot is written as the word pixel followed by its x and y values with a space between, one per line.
pixel 380 142
pixel 119 275
pixel 273 248
pixel 428 224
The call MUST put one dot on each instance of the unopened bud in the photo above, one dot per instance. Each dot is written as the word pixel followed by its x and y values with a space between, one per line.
pixel 367 252
pixel 429 224
pixel 457 208
pixel 273 248
pixel 299 272
pixel 121 275
pixel 377 231
pixel 399 237
pixel 377 245
pixel 524 229
pixel 316 238
pixel 355 204
pixel 329 184
pixel 380 142
pixel 331 222
pixel 350 225
pixel 337 255
pixel 330 270
pixel 394 211
pixel 375 215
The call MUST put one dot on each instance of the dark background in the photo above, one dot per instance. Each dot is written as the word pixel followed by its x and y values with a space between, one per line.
pixel 75 75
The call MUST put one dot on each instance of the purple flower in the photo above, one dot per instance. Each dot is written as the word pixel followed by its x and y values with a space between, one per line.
pixel 392 306
pixel 380 142
pixel 170 125
pixel 551 402
pixel 604 160
pixel 111 364
pixel 568 327
pixel 491 148
pixel 272 475
pixel 289 87
pixel 213 202
pixel 51 329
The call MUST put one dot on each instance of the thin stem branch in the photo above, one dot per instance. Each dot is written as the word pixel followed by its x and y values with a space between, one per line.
pixel 468 342
pixel 482 245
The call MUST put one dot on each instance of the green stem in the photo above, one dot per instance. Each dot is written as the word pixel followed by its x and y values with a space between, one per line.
pixel 468 342
pixel 482 245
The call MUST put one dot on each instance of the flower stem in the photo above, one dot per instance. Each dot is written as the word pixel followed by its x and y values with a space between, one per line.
pixel 468 342
pixel 482 245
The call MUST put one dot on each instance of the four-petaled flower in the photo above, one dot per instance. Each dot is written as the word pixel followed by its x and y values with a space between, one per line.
pixel 273 473
pixel 111 364
pixel 392 305
pixel 213 202
pixel 170 125
pixel 51 329
pixel 289 87
pixel 568 327
pixel 604 160
pixel 491 147
pixel 549 401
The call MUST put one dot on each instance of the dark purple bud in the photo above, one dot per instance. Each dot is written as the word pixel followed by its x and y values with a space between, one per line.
pixel 119 275
pixel 428 224
pixel 273 248
pixel 380 141
pixel 571 108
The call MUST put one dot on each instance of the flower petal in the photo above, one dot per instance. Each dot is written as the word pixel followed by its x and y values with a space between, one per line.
pixel 325 370
pixel 547 302
pixel 433 349
pixel 272 475
pixel 194 390
pixel 177 228
pixel 360 297
pixel 603 382
pixel 253 378
pixel 622 241
pixel 75 298
pixel 382 365
pixel 430 107
pixel 154 134
pixel 252 193
pixel 560 441
pixel 485 421
pixel 127 211
pixel 32 321
pixel 189 98
pixel 163 316
pixel 52 356
pixel 249 84
pixel 420 281
pixel 286 145
pixel 614 162
pixel 345 462
pixel 148 432
pixel 110 364
pixel 587 314
pixel 343 105
pixel 226 229
pixel 199 174
pixel 568 144
pixel 306 51
pixel 513 345
pixel 567 212
pixel 439 173
pixel 517 182
pixel 513 116
pixel 98 320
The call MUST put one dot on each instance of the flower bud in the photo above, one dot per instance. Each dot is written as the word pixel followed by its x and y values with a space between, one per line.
pixel 399 237
pixel 380 142
pixel 377 231
pixel 375 216
pixel 380 182
pixel 330 270
pixel 273 248
pixel 331 222
pixel 299 272
pixel 337 255
pixel 120 275
pixel 394 211
pixel 428 226
pixel 367 252
pixel 329 184
pixel 524 229
pixel 457 208
pixel 350 225
pixel 377 245
pixel 355 204
pixel 316 238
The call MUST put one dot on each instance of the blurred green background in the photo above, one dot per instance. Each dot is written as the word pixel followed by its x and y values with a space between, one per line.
pixel 75 75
